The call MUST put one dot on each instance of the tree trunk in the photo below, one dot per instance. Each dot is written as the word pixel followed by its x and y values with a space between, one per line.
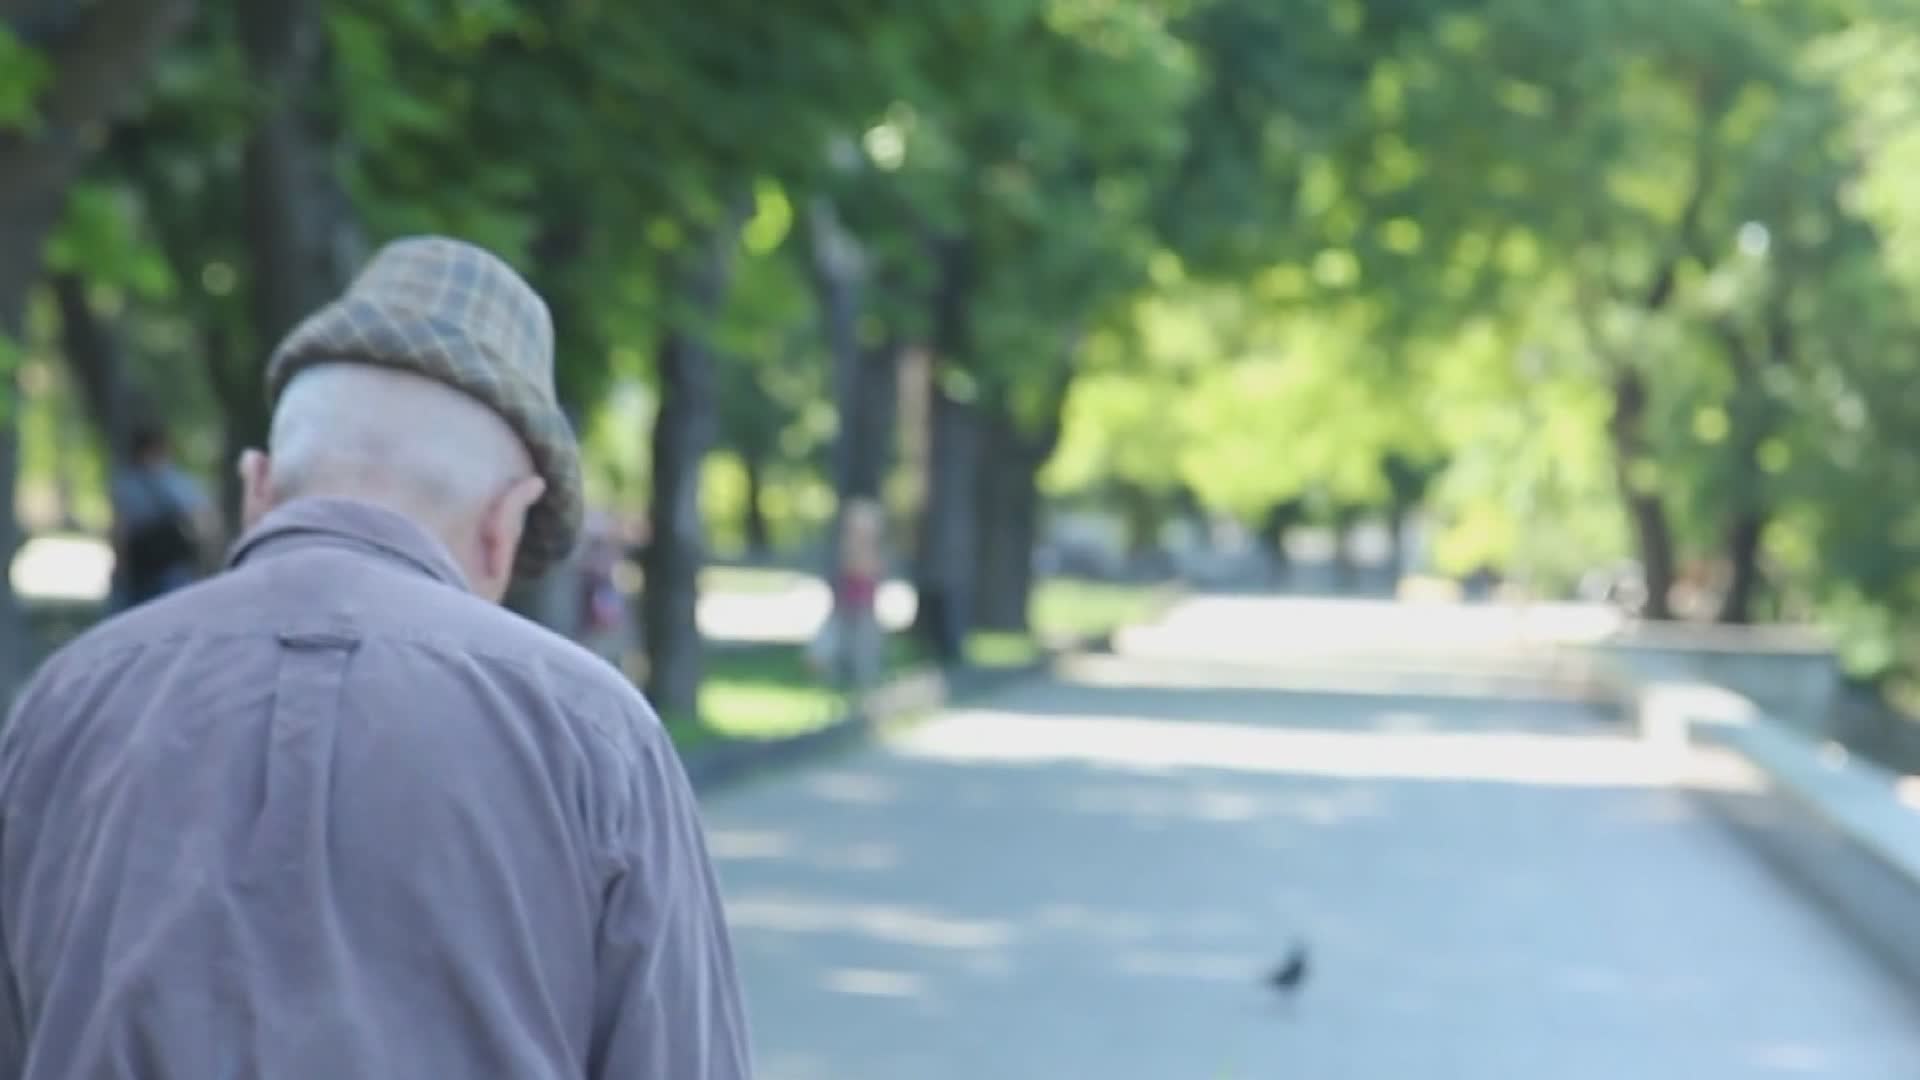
pixel 943 562
pixel 301 234
pixel 1008 494
pixel 97 363
pixel 759 540
pixel 1653 533
pixel 1344 570
pixel 866 374
pixel 1755 418
pixel 997 601
pixel 17 645
pixel 1397 541
pixel 302 241
pixel 1655 539
pixel 867 398
pixel 1743 556
pixel 839 272
pixel 1009 512
pixel 913 424
pixel 236 382
pixel 1143 518
pixel 869 405
pixel 1280 521
pixel 25 221
pixel 68 452
pixel 683 432
pixel 1407 484
pixel 943 568
pixel 562 266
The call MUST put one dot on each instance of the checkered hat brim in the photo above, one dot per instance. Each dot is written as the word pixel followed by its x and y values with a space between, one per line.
pixel 457 314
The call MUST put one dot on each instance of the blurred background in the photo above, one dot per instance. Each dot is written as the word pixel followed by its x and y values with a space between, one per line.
pixel 1600 314
pixel 1613 300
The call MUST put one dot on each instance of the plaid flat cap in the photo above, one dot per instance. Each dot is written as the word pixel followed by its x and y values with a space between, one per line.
pixel 457 314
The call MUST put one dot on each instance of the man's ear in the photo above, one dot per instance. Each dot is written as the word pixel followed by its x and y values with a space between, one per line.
pixel 256 486
pixel 505 521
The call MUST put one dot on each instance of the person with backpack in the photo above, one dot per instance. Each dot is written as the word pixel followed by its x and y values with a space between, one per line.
pixel 163 522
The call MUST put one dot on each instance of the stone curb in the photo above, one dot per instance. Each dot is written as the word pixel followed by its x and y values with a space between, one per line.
pixel 1831 825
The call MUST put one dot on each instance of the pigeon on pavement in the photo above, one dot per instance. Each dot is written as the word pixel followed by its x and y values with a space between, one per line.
pixel 1291 975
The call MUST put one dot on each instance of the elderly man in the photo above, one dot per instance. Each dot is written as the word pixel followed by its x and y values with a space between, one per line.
pixel 334 813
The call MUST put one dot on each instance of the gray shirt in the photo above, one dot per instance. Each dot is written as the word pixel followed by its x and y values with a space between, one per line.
pixel 331 815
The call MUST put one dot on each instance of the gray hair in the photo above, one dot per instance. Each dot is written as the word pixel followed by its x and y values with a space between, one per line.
pixel 355 429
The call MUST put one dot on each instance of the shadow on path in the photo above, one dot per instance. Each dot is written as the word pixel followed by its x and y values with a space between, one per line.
pixel 1088 881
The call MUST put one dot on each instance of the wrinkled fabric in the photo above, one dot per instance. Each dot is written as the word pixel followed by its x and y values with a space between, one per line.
pixel 331 815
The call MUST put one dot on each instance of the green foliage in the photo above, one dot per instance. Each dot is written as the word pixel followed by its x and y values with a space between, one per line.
pixel 1001 649
pixel 1066 612
pixel 1117 428
pixel 24 73
pixel 765 693
pixel 1242 407
pixel 1453 229
pixel 1251 253
pixel 101 240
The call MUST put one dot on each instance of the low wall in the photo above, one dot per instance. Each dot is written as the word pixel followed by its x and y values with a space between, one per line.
pixel 1832 823
pixel 1789 673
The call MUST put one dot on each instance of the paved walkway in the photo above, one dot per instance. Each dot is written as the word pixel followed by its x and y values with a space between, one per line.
pixel 1086 878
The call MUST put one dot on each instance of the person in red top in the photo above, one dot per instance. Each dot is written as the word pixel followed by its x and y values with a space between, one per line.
pixel 603 622
pixel 851 648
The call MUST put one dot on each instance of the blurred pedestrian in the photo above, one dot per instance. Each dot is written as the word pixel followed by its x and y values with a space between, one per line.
pixel 851 648
pixel 604 620
pixel 335 813
pixel 164 525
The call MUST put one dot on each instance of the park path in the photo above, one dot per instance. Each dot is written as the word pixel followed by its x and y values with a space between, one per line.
pixel 1086 876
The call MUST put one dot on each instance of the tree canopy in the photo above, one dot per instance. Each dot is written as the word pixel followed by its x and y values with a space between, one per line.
pixel 1588 280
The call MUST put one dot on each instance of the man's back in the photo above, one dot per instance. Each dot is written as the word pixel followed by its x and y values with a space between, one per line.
pixel 330 815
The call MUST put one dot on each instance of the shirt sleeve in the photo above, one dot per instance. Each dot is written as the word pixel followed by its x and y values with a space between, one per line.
pixel 669 1001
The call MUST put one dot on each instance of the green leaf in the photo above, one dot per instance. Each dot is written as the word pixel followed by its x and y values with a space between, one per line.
pixel 24 73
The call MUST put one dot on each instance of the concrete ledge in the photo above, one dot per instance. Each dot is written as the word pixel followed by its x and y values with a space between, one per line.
pixel 1765 640
pixel 1790 672
pixel 1832 824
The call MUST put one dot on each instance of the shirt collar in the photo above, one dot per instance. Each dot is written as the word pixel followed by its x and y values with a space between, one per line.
pixel 349 523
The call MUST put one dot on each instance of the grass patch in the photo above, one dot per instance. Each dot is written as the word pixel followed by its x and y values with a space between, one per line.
pixel 752 579
pixel 1069 608
pixel 765 692
pixel 1001 649
pixel 1064 609
pixel 769 692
